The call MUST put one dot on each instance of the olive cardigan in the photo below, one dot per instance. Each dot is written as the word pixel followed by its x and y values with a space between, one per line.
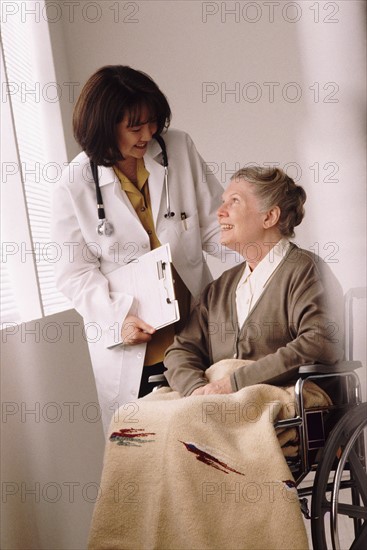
pixel 298 319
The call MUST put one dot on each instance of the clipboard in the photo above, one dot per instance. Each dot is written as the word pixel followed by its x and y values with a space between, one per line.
pixel 149 280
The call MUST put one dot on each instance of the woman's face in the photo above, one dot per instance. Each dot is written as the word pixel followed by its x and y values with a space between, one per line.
pixel 133 140
pixel 240 218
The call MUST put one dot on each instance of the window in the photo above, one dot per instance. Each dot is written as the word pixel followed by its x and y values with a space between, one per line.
pixel 32 159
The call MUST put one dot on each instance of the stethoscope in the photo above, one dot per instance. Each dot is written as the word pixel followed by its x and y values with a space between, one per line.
pixel 105 227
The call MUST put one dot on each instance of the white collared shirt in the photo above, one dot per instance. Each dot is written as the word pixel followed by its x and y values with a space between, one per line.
pixel 252 283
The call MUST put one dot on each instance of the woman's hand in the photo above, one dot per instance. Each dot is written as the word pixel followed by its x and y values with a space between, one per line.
pixel 221 386
pixel 135 331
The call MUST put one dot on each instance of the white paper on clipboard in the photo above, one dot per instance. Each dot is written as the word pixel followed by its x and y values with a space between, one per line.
pixel 149 279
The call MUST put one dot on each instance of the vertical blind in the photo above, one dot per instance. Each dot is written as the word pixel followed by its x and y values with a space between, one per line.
pixel 27 101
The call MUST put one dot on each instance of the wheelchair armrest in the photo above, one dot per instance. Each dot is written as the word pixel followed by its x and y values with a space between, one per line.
pixel 158 379
pixel 318 368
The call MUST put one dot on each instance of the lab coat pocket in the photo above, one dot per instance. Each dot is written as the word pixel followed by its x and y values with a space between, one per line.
pixel 107 366
pixel 188 232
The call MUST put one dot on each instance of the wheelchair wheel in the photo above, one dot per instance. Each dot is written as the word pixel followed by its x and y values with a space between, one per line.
pixel 339 496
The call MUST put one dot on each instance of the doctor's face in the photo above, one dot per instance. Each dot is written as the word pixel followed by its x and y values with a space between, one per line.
pixel 133 140
pixel 239 216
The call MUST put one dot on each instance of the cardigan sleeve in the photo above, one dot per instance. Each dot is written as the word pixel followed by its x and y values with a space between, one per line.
pixel 188 357
pixel 303 304
pixel 315 320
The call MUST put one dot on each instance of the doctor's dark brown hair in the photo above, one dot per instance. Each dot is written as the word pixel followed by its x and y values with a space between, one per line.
pixel 107 97
pixel 272 187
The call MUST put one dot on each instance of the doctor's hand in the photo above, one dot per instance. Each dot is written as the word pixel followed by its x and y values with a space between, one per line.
pixel 135 331
pixel 221 386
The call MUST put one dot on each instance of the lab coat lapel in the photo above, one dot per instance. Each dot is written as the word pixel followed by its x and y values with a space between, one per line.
pixel 107 177
pixel 156 179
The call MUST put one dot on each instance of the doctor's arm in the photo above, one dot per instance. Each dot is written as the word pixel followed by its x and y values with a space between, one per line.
pixel 79 278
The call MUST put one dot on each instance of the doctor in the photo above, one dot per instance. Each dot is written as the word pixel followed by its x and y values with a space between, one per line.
pixel 118 121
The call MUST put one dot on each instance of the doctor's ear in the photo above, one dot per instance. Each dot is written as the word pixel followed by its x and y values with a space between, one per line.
pixel 271 217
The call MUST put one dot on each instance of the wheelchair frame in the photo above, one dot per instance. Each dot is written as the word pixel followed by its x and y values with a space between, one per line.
pixel 339 456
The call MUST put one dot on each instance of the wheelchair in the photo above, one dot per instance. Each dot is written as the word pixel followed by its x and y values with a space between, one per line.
pixel 332 449
pixel 330 466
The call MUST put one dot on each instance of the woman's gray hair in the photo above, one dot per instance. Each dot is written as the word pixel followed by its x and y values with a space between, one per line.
pixel 273 187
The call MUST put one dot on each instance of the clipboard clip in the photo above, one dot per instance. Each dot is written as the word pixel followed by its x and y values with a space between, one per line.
pixel 161 267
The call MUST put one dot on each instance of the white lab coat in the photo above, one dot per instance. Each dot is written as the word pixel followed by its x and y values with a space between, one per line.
pixel 87 258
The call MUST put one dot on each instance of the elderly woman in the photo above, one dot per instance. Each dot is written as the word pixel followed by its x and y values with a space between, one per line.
pixel 281 308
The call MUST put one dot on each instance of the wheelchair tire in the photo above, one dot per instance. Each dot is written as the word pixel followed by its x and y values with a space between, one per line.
pixel 342 467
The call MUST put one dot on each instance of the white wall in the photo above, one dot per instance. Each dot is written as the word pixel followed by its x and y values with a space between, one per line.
pixel 189 47
pixel 194 48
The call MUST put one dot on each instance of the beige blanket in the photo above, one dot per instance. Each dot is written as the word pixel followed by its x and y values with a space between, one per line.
pixel 201 472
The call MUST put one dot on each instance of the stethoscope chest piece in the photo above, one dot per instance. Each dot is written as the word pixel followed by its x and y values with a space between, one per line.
pixel 104 227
